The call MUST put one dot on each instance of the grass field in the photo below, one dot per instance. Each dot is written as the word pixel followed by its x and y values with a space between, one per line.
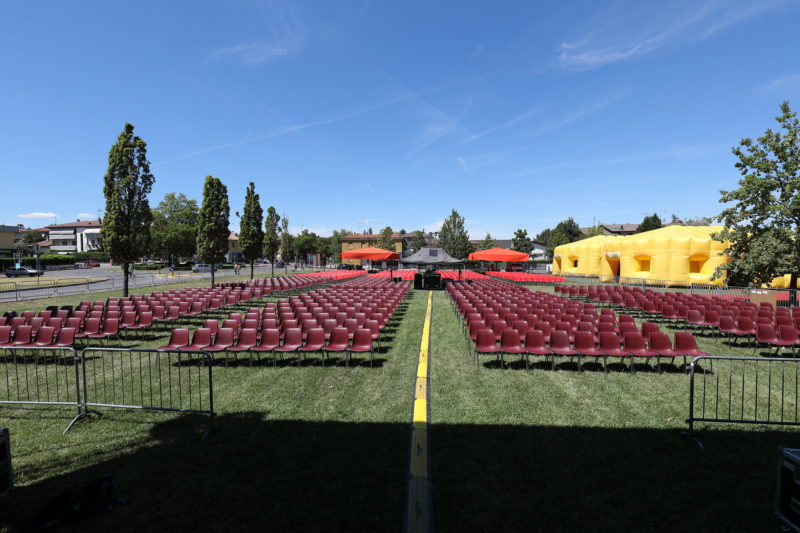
pixel 309 448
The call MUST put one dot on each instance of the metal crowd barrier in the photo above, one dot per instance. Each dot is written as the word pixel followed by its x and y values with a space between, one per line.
pixel 744 390
pixel 179 381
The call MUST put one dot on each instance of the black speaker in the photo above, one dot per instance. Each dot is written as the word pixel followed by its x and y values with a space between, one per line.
pixel 787 496
pixel 5 463
pixel 432 281
pixel 418 281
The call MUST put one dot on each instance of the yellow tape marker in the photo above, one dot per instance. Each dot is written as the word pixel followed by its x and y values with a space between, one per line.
pixel 418 517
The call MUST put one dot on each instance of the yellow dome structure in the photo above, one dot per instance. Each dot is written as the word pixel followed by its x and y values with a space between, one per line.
pixel 676 255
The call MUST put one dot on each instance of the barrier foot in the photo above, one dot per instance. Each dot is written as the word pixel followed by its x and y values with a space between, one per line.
pixel 694 439
pixel 81 416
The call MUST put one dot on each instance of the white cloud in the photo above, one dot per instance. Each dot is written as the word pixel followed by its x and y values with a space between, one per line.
pixel 782 84
pixel 509 122
pixel 634 33
pixel 84 216
pixel 38 214
pixel 249 53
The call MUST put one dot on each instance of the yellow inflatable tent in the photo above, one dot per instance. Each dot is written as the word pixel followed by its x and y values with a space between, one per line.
pixel 679 255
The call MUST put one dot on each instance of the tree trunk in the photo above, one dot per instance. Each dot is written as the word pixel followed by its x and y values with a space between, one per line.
pixel 212 276
pixel 793 290
pixel 272 266
pixel 252 266
pixel 125 273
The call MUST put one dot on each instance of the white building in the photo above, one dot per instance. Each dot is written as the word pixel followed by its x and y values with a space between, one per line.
pixel 80 236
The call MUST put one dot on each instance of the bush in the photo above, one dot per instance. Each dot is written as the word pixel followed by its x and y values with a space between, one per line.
pixel 81 257
pixel 45 260
pixel 142 266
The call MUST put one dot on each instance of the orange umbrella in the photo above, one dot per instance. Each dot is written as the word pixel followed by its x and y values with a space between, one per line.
pixel 370 253
pixel 498 254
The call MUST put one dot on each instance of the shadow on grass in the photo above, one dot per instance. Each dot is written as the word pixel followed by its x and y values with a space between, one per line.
pixel 257 475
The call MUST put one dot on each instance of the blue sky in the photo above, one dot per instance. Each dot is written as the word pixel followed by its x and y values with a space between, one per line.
pixel 355 114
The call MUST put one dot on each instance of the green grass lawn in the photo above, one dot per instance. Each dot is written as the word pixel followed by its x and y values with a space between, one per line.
pixel 309 448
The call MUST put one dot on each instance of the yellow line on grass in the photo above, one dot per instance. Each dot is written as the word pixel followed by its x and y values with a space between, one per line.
pixel 419 517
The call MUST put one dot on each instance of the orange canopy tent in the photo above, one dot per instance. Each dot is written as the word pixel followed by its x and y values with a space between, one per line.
pixel 498 254
pixel 376 254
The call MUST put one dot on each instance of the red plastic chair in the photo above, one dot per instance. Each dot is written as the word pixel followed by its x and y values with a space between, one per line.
pixel 65 338
pixel 178 338
pixel 648 328
pixel 485 343
pixel 510 344
pixel 686 345
pixel 362 343
pixel 201 339
pixel 248 338
pixel 535 345
pixel 559 345
pixel 270 339
pixel 222 341
pixel 23 336
pixel 338 343
pixel 585 346
pixel 315 341
pixel 766 334
pixel 5 336
pixel 661 346
pixel 635 344
pixel 611 347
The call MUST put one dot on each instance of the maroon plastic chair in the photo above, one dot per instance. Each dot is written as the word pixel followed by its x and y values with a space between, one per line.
pixel 339 342
pixel 611 347
pixel 90 327
pixel 648 328
pixel 635 344
pixel 627 327
pixel 362 343
pixel 766 334
pixel 510 344
pixel 374 329
pixel 661 346
pixel 686 345
pixel 212 324
pixel 292 341
pixel 65 338
pixel 270 339
pixel 559 345
pixel 789 334
pixel 485 343
pixel 222 341
pixel 23 336
pixel 109 329
pixel 248 338
pixel 201 339
pixel 178 338
pixel 586 346
pixel 315 342
pixel 5 336
pixel 535 345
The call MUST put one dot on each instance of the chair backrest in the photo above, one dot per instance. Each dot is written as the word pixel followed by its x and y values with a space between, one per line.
pixel 351 324
pixel 627 327
pixel 363 338
pixel 201 337
pixel 316 337
pixel 766 333
pixel 340 336
pixel 559 339
pixel 745 323
pixel 92 325
pixel 23 334
pixel 726 323
pixel 230 323
pixel 609 340
pixel 179 337
pixel 66 337
pixel 270 337
pixel 660 341
pixel 584 339
pixel 45 336
pixel 111 326
pixel 293 337
pixel 509 338
pixel 5 334
pixel 634 341
pixel 371 325
pixel 686 341
pixel 534 339
pixel 484 338
pixel 787 333
pixel 224 337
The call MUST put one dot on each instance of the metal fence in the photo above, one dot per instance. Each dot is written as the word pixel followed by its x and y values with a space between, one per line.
pixel 744 390
pixel 179 381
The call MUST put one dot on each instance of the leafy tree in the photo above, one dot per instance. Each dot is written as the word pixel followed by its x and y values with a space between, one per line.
pixel 453 237
pixel 521 242
pixel 697 221
pixel 401 232
pixel 272 239
pixel 287 242
pixel 557 238
pixel 305 244
pixel 128 181
pixel 175 226
pixel 649 223
pixel 762 226
pixel 418 241
pixel 213 228
pixel 569 228
pixel 385 241
pixel 251 235
pixel 487 243
pixel 335 243
pixel 594 231
pixel 544 236
pixel 32 237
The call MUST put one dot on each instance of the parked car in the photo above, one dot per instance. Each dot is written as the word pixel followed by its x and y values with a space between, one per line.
pixel 91 264
pixel 201 267
pixel 23 271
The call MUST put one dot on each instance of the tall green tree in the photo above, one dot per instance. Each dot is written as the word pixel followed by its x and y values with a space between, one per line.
pixel 594 231
pixel 521 242
pixel 335 243
pixel 543 236
pixel 650 223
pixel 385 241
pixel 32 237
pixel 251 234
pixel 487 242
pixel 305 244
pixel 418 241
pixel 175 227
pixel 762 221
pixel 128 181
pixel 287 243
pixel 569 228
pixel 453 237
pixel 272 236
pixel 557 238
pixel 214 224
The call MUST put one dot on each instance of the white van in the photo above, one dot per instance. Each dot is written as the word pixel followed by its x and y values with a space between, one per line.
pixel 201 267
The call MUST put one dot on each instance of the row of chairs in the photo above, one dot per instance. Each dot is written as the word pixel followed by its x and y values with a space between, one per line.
pixel 45 337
